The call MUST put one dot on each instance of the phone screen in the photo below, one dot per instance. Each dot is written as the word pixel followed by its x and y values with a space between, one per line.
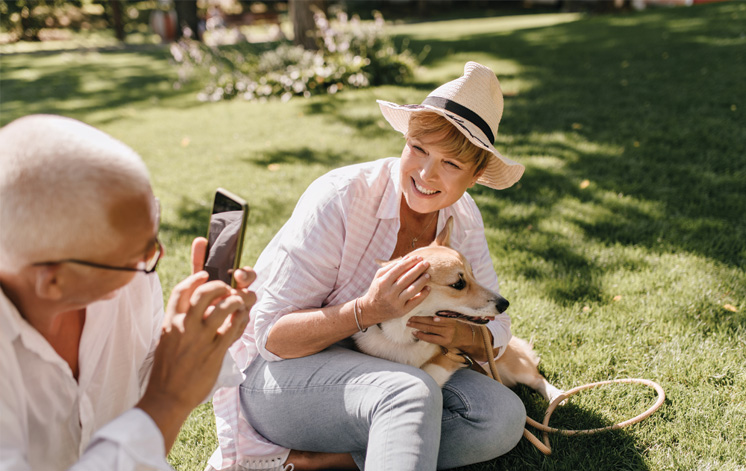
pixel 225 236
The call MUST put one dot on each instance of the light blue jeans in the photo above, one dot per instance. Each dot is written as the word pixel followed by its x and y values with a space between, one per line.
pixel 389 416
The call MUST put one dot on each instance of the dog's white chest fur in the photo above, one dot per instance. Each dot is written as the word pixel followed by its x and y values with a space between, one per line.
pixel 394 341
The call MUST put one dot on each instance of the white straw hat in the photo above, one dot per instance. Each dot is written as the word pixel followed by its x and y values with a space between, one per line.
pixel 473 103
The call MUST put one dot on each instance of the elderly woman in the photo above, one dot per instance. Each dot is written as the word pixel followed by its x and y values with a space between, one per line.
pixel 314 402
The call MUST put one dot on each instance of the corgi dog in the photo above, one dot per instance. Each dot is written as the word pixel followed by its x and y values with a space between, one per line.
pixel 454 294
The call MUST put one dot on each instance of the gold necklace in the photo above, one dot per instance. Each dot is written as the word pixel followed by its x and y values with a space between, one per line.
pixel 415 239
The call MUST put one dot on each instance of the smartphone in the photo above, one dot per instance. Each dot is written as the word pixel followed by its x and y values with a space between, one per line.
pixel 225 236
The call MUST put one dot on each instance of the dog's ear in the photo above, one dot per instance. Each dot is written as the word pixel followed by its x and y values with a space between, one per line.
pixel 443 239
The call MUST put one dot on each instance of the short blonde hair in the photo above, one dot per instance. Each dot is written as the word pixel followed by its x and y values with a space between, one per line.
pixel 58 180
pixel 453 141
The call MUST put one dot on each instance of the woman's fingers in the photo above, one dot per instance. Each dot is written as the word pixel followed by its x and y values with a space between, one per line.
pixel 417 299
pixel 413 281
pixel 397 269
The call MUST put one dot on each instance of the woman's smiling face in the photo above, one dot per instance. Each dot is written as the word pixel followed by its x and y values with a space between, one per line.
pixel 431 179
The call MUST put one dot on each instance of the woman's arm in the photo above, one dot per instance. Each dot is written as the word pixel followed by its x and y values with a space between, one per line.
pixel 395 290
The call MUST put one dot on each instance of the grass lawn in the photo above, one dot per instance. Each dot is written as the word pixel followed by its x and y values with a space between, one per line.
pixel 622 249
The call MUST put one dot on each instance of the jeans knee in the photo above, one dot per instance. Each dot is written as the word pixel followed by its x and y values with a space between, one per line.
pixel 417 388
pixel 509 423
pixel 423 386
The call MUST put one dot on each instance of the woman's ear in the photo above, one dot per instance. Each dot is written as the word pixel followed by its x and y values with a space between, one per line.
pixel 477 176
pixel 48 283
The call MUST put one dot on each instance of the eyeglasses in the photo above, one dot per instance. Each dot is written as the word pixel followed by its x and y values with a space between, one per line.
pixel 146 266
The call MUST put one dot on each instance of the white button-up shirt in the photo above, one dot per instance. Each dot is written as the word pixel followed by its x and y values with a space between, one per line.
pixel 326 255
pixel 50 421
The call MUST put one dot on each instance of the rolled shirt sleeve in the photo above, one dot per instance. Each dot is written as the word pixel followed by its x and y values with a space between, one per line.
pixel 299 267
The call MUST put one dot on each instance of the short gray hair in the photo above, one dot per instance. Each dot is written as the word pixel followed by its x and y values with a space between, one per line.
pixel 58 178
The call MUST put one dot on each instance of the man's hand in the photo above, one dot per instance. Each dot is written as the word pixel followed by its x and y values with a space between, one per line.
pixel 244 276
pixel 201 321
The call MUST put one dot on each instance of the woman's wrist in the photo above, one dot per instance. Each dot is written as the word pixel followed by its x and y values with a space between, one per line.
pixel 357 312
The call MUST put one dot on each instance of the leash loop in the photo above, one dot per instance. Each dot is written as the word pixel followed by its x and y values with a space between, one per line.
pixel 546 429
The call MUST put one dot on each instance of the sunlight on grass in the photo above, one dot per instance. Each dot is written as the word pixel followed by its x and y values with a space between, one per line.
pixel 456 29
pixel 622 250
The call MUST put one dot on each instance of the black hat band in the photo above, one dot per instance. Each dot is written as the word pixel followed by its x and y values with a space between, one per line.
pixel 464 112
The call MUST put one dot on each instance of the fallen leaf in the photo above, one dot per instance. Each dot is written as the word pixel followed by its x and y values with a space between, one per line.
pixel 617 297
pixel 577 126
pixel 585 184
pixel 730 307
pixel 586 308
pixel 273 167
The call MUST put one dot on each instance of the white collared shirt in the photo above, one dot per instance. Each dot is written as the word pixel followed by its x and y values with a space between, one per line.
pixel 326 255
pixel 50 421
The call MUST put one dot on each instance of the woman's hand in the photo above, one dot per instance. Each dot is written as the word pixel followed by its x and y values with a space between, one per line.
pixel 396 289
pixel 450 333
pixel 445 332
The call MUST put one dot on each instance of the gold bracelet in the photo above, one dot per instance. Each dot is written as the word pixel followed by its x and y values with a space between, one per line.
pixel 354 311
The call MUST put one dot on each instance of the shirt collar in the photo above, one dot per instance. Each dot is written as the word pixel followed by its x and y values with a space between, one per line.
pixel 10 319
pixel 13 326
pixel 391 199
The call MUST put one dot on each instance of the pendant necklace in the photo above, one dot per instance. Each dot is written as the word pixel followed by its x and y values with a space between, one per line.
pixel 414 240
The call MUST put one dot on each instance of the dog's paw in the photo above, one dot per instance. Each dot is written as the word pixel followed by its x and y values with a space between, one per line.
pixel 553 393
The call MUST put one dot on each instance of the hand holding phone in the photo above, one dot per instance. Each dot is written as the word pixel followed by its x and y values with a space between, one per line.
pixel 225 236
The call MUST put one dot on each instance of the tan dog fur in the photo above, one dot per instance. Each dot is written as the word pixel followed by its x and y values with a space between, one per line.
pixel 473 304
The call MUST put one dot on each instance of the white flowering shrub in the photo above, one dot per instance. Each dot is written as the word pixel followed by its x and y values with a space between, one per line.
pixel 352 54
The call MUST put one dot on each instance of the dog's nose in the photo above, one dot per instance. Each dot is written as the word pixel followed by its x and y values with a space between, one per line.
pixel 501 304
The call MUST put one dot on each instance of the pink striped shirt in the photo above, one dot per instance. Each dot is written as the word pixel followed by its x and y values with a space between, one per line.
pixel 326 255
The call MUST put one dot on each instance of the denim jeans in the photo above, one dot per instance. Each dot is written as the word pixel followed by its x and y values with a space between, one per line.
pixel 389 416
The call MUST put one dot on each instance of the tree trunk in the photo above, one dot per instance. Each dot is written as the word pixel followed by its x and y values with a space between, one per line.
pixel 116 16
pixel 186 14
pixel 301 13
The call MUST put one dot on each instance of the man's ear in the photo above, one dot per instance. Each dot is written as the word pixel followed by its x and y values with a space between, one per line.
pixel 443 239
pixel 48 283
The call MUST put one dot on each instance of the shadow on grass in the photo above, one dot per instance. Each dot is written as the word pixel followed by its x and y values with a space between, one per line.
pixel 77 83
pixel 192 216
pixel 305 155
pixel 340 109
pixel 648 108
pixel 191 220
pixel 604 451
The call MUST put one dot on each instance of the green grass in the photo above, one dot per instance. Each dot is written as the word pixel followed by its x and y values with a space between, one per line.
pixel 626 275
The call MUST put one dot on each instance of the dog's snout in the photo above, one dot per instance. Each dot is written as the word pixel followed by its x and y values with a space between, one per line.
pixel 501 304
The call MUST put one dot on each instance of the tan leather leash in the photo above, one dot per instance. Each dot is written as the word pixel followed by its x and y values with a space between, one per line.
pixel 545 428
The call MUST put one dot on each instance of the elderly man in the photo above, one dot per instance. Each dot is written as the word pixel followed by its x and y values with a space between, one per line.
pixel 94 375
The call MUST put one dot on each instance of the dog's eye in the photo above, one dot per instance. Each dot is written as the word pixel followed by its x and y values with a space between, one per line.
pixel 460 284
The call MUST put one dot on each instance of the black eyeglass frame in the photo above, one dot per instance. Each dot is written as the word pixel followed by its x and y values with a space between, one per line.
pixel 159 252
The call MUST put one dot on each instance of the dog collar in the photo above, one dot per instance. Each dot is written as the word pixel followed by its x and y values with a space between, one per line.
pixel 459 357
